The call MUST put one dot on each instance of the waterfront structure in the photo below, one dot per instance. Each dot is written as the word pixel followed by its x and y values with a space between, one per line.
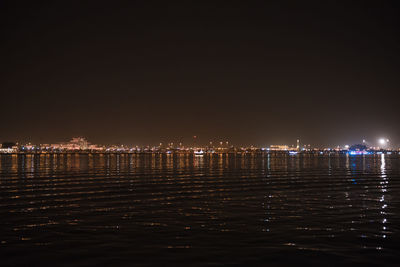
pixel 81 145
pixel 358 149
pixel 8 150
pixel 279 147
pixel 8 147
pixel 76 143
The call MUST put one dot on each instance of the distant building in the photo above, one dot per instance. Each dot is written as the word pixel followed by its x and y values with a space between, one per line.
pixel 8 145
pixel 358 147
pixel 8 150
pixel 76 143
pixel 95 147
pixel 279 147
pixel 79 142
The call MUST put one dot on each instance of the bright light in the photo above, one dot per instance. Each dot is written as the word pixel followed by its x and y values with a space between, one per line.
pixel 382 141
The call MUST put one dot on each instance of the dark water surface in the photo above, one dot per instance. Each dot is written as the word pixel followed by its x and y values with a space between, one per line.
pixel 132 210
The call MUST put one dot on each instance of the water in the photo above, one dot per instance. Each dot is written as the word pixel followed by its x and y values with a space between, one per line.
pixel 132 210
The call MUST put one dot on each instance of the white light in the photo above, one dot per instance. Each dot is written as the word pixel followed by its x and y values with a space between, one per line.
pixel 382 141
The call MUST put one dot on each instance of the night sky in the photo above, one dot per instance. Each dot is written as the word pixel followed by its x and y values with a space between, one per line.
pixel 141 72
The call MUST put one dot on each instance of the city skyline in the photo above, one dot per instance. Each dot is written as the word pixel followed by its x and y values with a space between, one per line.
pixel 81 143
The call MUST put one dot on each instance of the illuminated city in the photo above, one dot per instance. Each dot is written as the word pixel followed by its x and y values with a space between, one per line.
pixel 199 133
pixel 80 144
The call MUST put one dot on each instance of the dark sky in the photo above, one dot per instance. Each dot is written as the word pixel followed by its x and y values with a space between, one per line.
pixel 141 72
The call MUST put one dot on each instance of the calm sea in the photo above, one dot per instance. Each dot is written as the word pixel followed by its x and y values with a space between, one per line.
pixel 185 210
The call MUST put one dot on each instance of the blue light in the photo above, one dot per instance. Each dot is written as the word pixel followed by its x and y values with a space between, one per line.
pixel 356 152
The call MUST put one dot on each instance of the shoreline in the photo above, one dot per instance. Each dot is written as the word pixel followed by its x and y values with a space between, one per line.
pixel 192 153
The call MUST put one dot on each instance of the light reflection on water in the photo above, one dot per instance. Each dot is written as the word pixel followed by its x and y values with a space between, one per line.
pixel 240 209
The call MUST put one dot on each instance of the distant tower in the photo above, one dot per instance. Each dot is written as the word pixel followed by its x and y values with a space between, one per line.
pixel 194 140
pixel 181 142
pixel 298 145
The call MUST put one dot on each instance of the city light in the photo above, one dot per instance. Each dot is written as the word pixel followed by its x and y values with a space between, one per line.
pixel 360 153
pixel 383 141
pixel 81 145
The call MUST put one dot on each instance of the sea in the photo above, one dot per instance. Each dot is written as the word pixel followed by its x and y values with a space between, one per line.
pixel 199 210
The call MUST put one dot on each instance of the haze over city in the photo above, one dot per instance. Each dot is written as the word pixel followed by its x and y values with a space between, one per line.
pixel 142 72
